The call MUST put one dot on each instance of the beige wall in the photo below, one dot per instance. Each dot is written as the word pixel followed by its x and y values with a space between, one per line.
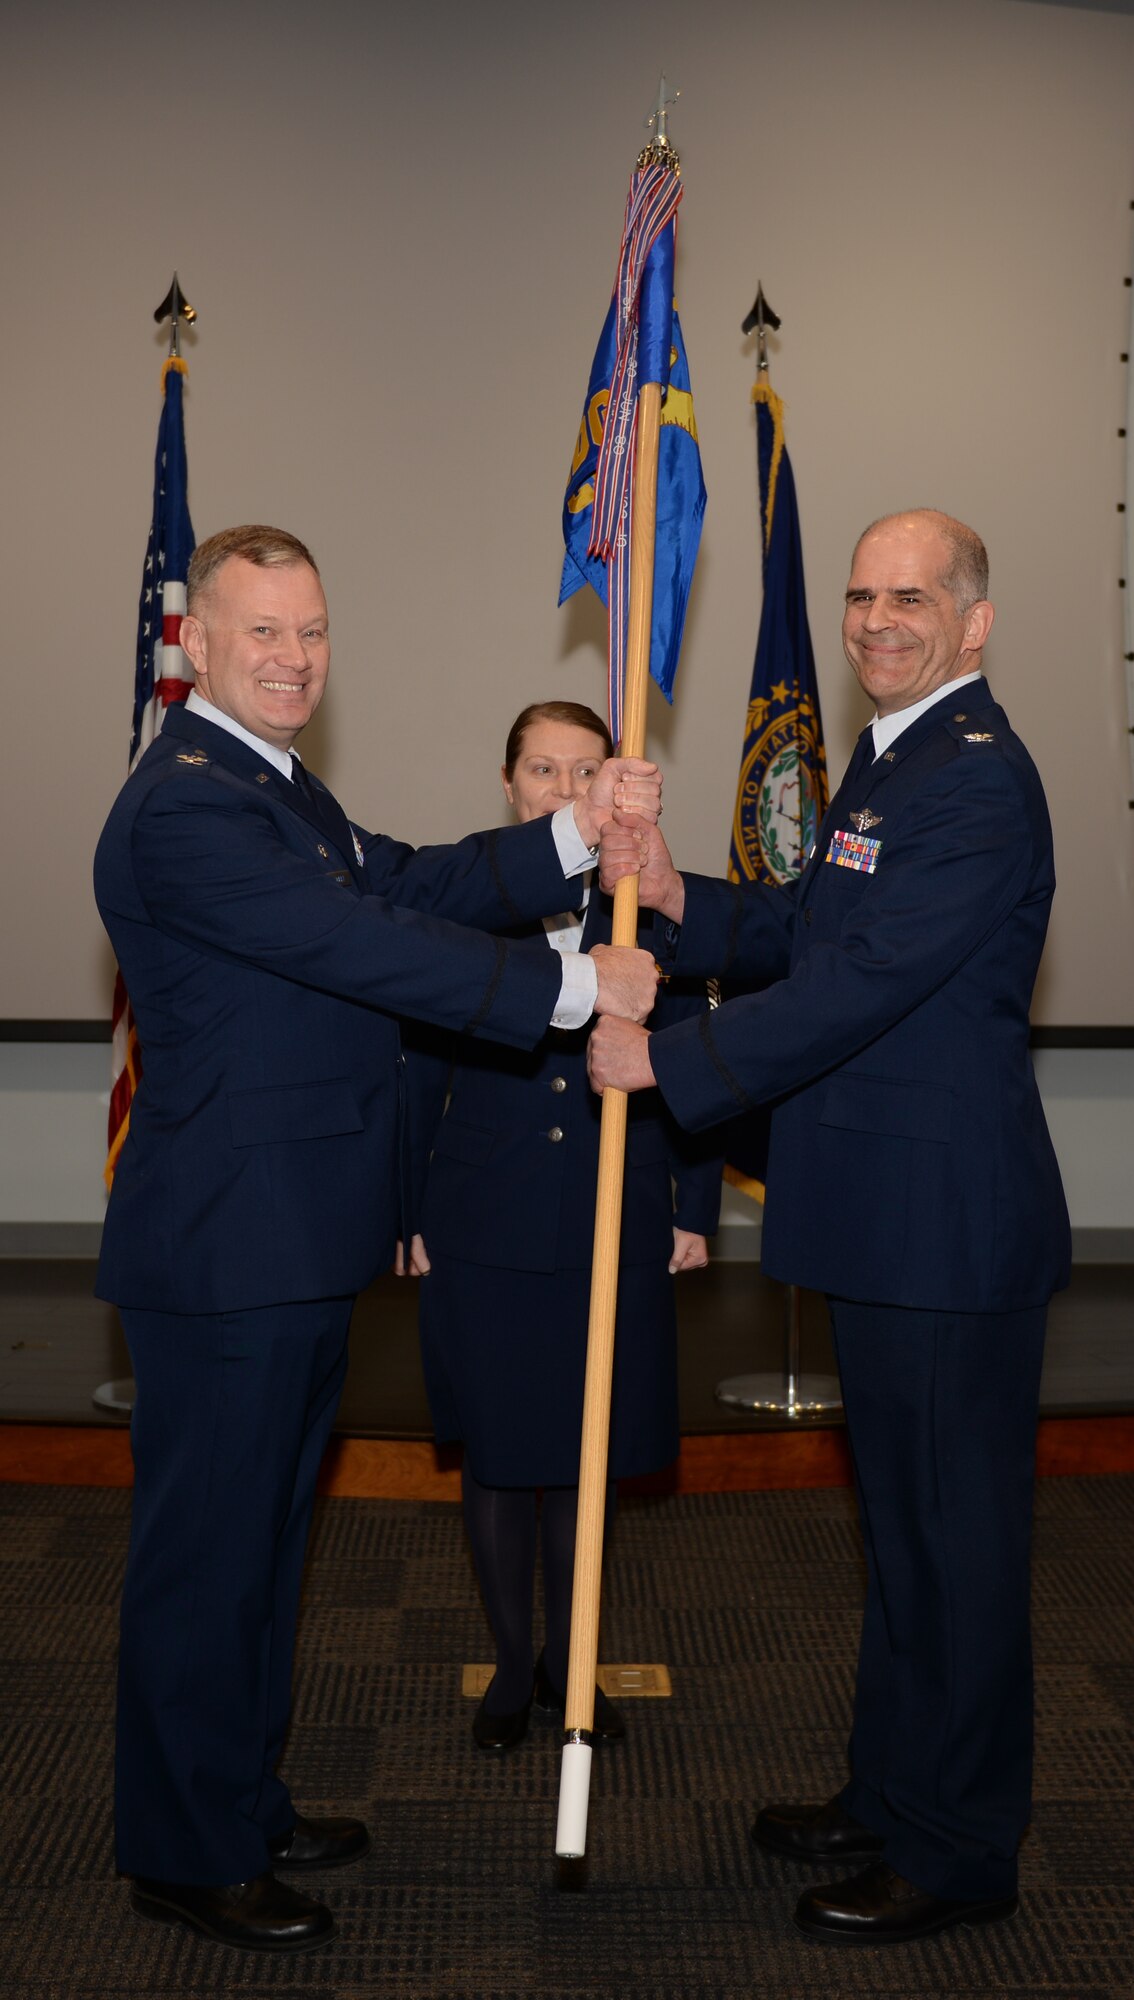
pixel 400 228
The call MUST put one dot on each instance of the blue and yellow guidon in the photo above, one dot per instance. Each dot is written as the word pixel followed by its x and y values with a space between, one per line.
pixel 680 502
pixel 677 409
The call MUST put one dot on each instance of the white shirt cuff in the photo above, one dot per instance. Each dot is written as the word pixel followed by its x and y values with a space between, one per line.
pixel 574 854
pixel 579 990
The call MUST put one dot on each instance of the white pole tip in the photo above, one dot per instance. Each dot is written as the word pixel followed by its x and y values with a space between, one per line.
pixel 574 1794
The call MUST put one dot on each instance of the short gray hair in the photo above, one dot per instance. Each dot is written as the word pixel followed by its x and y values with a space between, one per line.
pixel 267 548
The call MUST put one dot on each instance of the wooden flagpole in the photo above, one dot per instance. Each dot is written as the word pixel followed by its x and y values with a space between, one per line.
pixel 574 1784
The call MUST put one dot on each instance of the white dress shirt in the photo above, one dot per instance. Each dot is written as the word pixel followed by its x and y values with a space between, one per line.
pixel 197 705
pixel 887 728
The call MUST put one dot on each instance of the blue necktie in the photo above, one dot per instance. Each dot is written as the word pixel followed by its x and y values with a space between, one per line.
pixel 862 758
pixel 301 781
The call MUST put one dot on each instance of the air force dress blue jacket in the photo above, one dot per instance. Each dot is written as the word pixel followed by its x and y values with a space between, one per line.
pixel 910 1162
pixel 266 947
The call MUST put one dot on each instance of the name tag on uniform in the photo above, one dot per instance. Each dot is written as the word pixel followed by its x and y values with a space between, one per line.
pixel 854 850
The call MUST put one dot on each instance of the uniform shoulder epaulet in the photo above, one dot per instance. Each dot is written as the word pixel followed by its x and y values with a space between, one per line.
pixel 956 725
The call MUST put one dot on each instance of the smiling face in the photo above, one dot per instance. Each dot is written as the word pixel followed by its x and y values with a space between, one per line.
pixel 259 647
pixel 556 764
pixel 902 631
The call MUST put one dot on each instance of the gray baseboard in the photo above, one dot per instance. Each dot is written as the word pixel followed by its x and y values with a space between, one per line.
pixel 1102 1246
pixel 739 1243
pixel 50 1239
pixel 735 1242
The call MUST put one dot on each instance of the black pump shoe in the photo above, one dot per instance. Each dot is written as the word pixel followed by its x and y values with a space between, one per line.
pixel 498 1733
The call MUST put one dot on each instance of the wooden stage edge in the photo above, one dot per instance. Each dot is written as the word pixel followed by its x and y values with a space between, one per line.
pixel 407 1469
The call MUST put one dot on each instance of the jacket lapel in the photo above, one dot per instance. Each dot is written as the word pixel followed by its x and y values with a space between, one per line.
pixel 325 814
pixel 865 773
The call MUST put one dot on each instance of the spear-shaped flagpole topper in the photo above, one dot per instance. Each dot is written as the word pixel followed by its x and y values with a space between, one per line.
pixel 654 184
pixel 175 307
pixel 758 321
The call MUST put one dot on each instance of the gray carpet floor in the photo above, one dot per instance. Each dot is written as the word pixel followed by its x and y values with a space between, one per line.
pixel 752 1600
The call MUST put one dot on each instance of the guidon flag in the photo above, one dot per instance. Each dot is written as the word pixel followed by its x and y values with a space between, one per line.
pixel 641 341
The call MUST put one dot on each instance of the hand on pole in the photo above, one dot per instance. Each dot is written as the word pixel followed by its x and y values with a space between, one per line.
pixel 630 783
pixel 618 1056
pixel 627 980
pixel 630 846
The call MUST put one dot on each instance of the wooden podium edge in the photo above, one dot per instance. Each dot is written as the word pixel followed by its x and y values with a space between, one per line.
pixel 414 1469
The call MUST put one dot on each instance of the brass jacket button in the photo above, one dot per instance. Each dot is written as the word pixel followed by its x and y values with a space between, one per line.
pixel 558 1083
pixel 555 1134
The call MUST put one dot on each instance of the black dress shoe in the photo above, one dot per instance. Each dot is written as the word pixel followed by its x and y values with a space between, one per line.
pixel 261 1915
pixel 814 1833
pixel 879 1907
pixel 608 1725
pixel 319 1843
pixel 498 1733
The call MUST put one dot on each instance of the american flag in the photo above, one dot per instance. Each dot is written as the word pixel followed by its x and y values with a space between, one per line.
pixel 161 676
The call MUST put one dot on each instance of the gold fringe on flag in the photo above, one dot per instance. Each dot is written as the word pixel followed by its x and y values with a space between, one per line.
pixel 763 392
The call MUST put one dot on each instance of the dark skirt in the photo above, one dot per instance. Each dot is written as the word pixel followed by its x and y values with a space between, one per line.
pixel 504 1355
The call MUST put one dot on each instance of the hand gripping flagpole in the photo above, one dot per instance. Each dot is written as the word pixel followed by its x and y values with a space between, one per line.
pixel 575 1772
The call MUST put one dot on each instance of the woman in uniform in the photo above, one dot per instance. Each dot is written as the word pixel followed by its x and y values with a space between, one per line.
pixel 508 1171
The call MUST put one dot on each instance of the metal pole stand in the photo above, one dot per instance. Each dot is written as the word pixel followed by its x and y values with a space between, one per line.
pixel 117 1397
pixel 791 1394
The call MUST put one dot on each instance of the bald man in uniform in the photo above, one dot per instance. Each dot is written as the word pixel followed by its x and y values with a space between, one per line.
pixel 910 1178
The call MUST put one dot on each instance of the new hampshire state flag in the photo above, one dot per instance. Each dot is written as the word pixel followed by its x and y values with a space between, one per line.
pixel 596 551
pixel 781 794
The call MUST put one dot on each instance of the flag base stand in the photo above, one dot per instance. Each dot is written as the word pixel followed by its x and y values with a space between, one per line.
pixel 790 1394
pixel 119 1397
pixel 781 1395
